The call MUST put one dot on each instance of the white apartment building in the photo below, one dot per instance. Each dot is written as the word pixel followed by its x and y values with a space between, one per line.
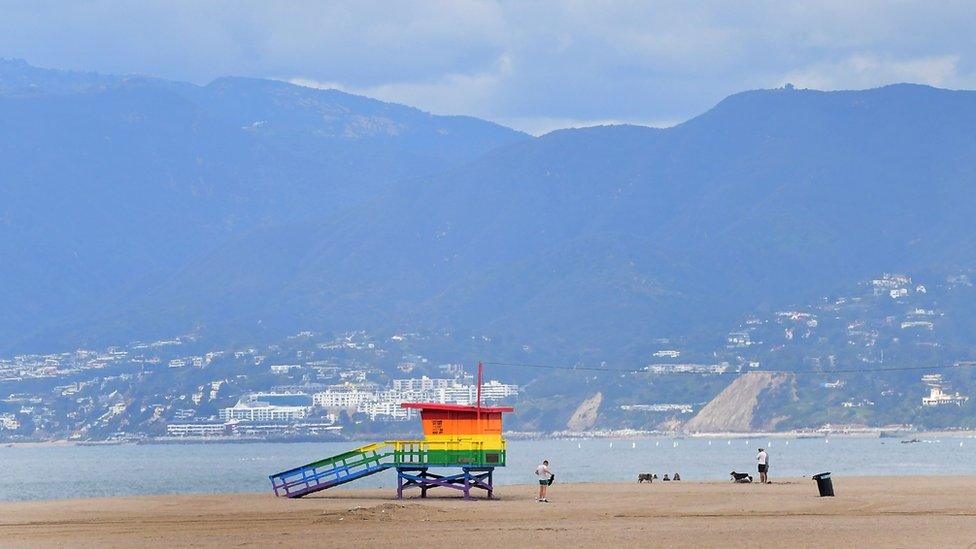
pixel 342 398
pixel 262 411
pixel 458 394
pixel 938 398
pixel 495 390
pixel 387 409
pixel 423 383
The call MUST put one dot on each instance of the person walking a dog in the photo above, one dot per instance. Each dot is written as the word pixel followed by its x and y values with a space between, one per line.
pixel 763 459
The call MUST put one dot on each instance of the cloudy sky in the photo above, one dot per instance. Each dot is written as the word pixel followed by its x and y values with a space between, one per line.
pixel 536 66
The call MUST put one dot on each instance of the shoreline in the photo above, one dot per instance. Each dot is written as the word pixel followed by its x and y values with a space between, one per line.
pixel 792 435
pixel 868 511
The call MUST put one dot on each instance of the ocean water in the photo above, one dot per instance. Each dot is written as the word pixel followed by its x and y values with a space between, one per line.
pixel 93 471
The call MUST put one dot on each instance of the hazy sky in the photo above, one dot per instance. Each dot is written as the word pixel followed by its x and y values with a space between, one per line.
pixel 532 65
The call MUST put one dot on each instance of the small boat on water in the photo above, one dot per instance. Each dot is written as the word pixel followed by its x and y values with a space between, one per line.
pixel 912 441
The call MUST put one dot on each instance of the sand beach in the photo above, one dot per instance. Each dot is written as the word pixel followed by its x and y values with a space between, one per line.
pixel 868 511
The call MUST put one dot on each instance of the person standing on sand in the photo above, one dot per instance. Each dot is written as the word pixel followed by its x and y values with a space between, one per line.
pixel 545 477
pixel 763 459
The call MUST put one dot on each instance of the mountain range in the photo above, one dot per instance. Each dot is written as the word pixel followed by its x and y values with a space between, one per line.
pixel 134 207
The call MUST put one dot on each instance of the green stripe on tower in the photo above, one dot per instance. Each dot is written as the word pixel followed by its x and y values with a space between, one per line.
pixel 469 458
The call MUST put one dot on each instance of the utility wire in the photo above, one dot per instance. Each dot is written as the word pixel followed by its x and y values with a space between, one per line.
pixel 956 365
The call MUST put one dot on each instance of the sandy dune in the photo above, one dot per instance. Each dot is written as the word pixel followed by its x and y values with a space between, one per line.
pixel 891 512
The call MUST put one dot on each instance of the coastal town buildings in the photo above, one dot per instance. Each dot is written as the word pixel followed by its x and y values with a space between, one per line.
pixel 384 404
pixel 184 387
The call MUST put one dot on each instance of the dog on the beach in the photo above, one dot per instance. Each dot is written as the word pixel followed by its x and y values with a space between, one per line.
pixel 740 477
pixel 641 477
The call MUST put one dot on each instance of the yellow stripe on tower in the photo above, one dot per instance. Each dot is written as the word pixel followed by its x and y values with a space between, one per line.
pixel 462 426
pixel 474 442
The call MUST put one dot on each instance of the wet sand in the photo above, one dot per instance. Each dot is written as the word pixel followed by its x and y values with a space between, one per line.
pixel 890 512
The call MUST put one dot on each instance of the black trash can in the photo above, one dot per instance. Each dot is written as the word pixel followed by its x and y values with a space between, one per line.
pixel 824 484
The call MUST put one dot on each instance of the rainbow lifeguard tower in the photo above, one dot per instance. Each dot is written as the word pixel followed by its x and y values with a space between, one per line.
pixel 468 438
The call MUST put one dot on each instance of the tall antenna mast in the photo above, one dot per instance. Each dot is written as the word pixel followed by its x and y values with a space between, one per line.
pixel 480 376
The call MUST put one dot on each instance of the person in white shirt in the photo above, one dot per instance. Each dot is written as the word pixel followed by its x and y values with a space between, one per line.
pixel 763 460
pixel 545 478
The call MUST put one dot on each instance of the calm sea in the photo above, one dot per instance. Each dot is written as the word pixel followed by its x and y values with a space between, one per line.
pixel 92 471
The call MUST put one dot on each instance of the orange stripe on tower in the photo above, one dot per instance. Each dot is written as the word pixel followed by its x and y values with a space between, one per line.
pixel 490 424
